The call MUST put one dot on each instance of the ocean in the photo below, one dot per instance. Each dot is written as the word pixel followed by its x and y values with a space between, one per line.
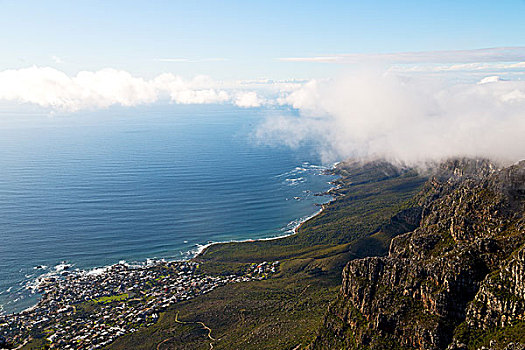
pixel 94 188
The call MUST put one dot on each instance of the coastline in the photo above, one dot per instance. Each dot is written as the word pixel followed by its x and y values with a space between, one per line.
pixel 329 171
pixel 142 293
pixel 151 262
pixel 308 273
pixel 64 285
pixel 202 249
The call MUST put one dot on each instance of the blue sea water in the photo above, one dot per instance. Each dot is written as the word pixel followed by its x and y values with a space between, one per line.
pixel 94 188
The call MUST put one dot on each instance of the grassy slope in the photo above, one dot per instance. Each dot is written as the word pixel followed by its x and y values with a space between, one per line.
pixel 286 311
pixel 369 196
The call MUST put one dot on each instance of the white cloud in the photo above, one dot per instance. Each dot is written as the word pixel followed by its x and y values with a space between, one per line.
pixel 49 87
pixel 405 118
pixel 373 114
pixel 52 88
pixel 481 67
pixel 57 59
pixel 497 54
pixel 248 99
pixel 199 90
pixel 491 79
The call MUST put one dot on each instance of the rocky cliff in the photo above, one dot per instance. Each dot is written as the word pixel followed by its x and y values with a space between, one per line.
pixel 457 281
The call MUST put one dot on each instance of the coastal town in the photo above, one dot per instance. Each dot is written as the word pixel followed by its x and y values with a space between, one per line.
pixel 90 309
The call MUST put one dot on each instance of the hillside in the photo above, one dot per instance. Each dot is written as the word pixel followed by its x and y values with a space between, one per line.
pixel 456 282
pixel 373 204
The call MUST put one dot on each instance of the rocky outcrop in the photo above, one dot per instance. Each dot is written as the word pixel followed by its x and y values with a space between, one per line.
pixel 455 281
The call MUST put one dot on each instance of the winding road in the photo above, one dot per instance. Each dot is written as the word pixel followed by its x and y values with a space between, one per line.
pixel 184 322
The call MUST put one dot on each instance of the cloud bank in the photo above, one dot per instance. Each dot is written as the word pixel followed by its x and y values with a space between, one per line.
pixel 52 88
pixel 409 118
pixel 404 119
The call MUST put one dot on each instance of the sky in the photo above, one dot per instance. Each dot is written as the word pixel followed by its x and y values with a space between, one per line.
pixel 243 39
pixel 411 81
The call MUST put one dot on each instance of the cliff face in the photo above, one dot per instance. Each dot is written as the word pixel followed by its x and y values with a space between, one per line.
pixel 456 281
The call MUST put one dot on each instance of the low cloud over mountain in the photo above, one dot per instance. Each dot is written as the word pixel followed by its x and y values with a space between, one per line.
pixel 406 119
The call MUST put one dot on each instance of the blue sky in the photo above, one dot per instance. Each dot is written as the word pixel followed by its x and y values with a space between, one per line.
pixel 242 39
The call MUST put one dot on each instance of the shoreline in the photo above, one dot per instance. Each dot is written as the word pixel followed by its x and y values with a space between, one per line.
pixel 151 262
pixel 141 294
pixel 330 171
pixel 202 249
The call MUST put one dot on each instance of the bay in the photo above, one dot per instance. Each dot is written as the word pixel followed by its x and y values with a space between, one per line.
pixel 94 188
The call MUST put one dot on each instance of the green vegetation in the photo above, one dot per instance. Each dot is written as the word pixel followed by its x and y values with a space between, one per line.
pixel 36 344
pixel 112 298
pixel 369 196
pixel 500 337
pixel 286 311
pixel 274 313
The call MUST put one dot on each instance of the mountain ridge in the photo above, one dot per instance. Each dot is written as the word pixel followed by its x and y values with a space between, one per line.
pixel 435 288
